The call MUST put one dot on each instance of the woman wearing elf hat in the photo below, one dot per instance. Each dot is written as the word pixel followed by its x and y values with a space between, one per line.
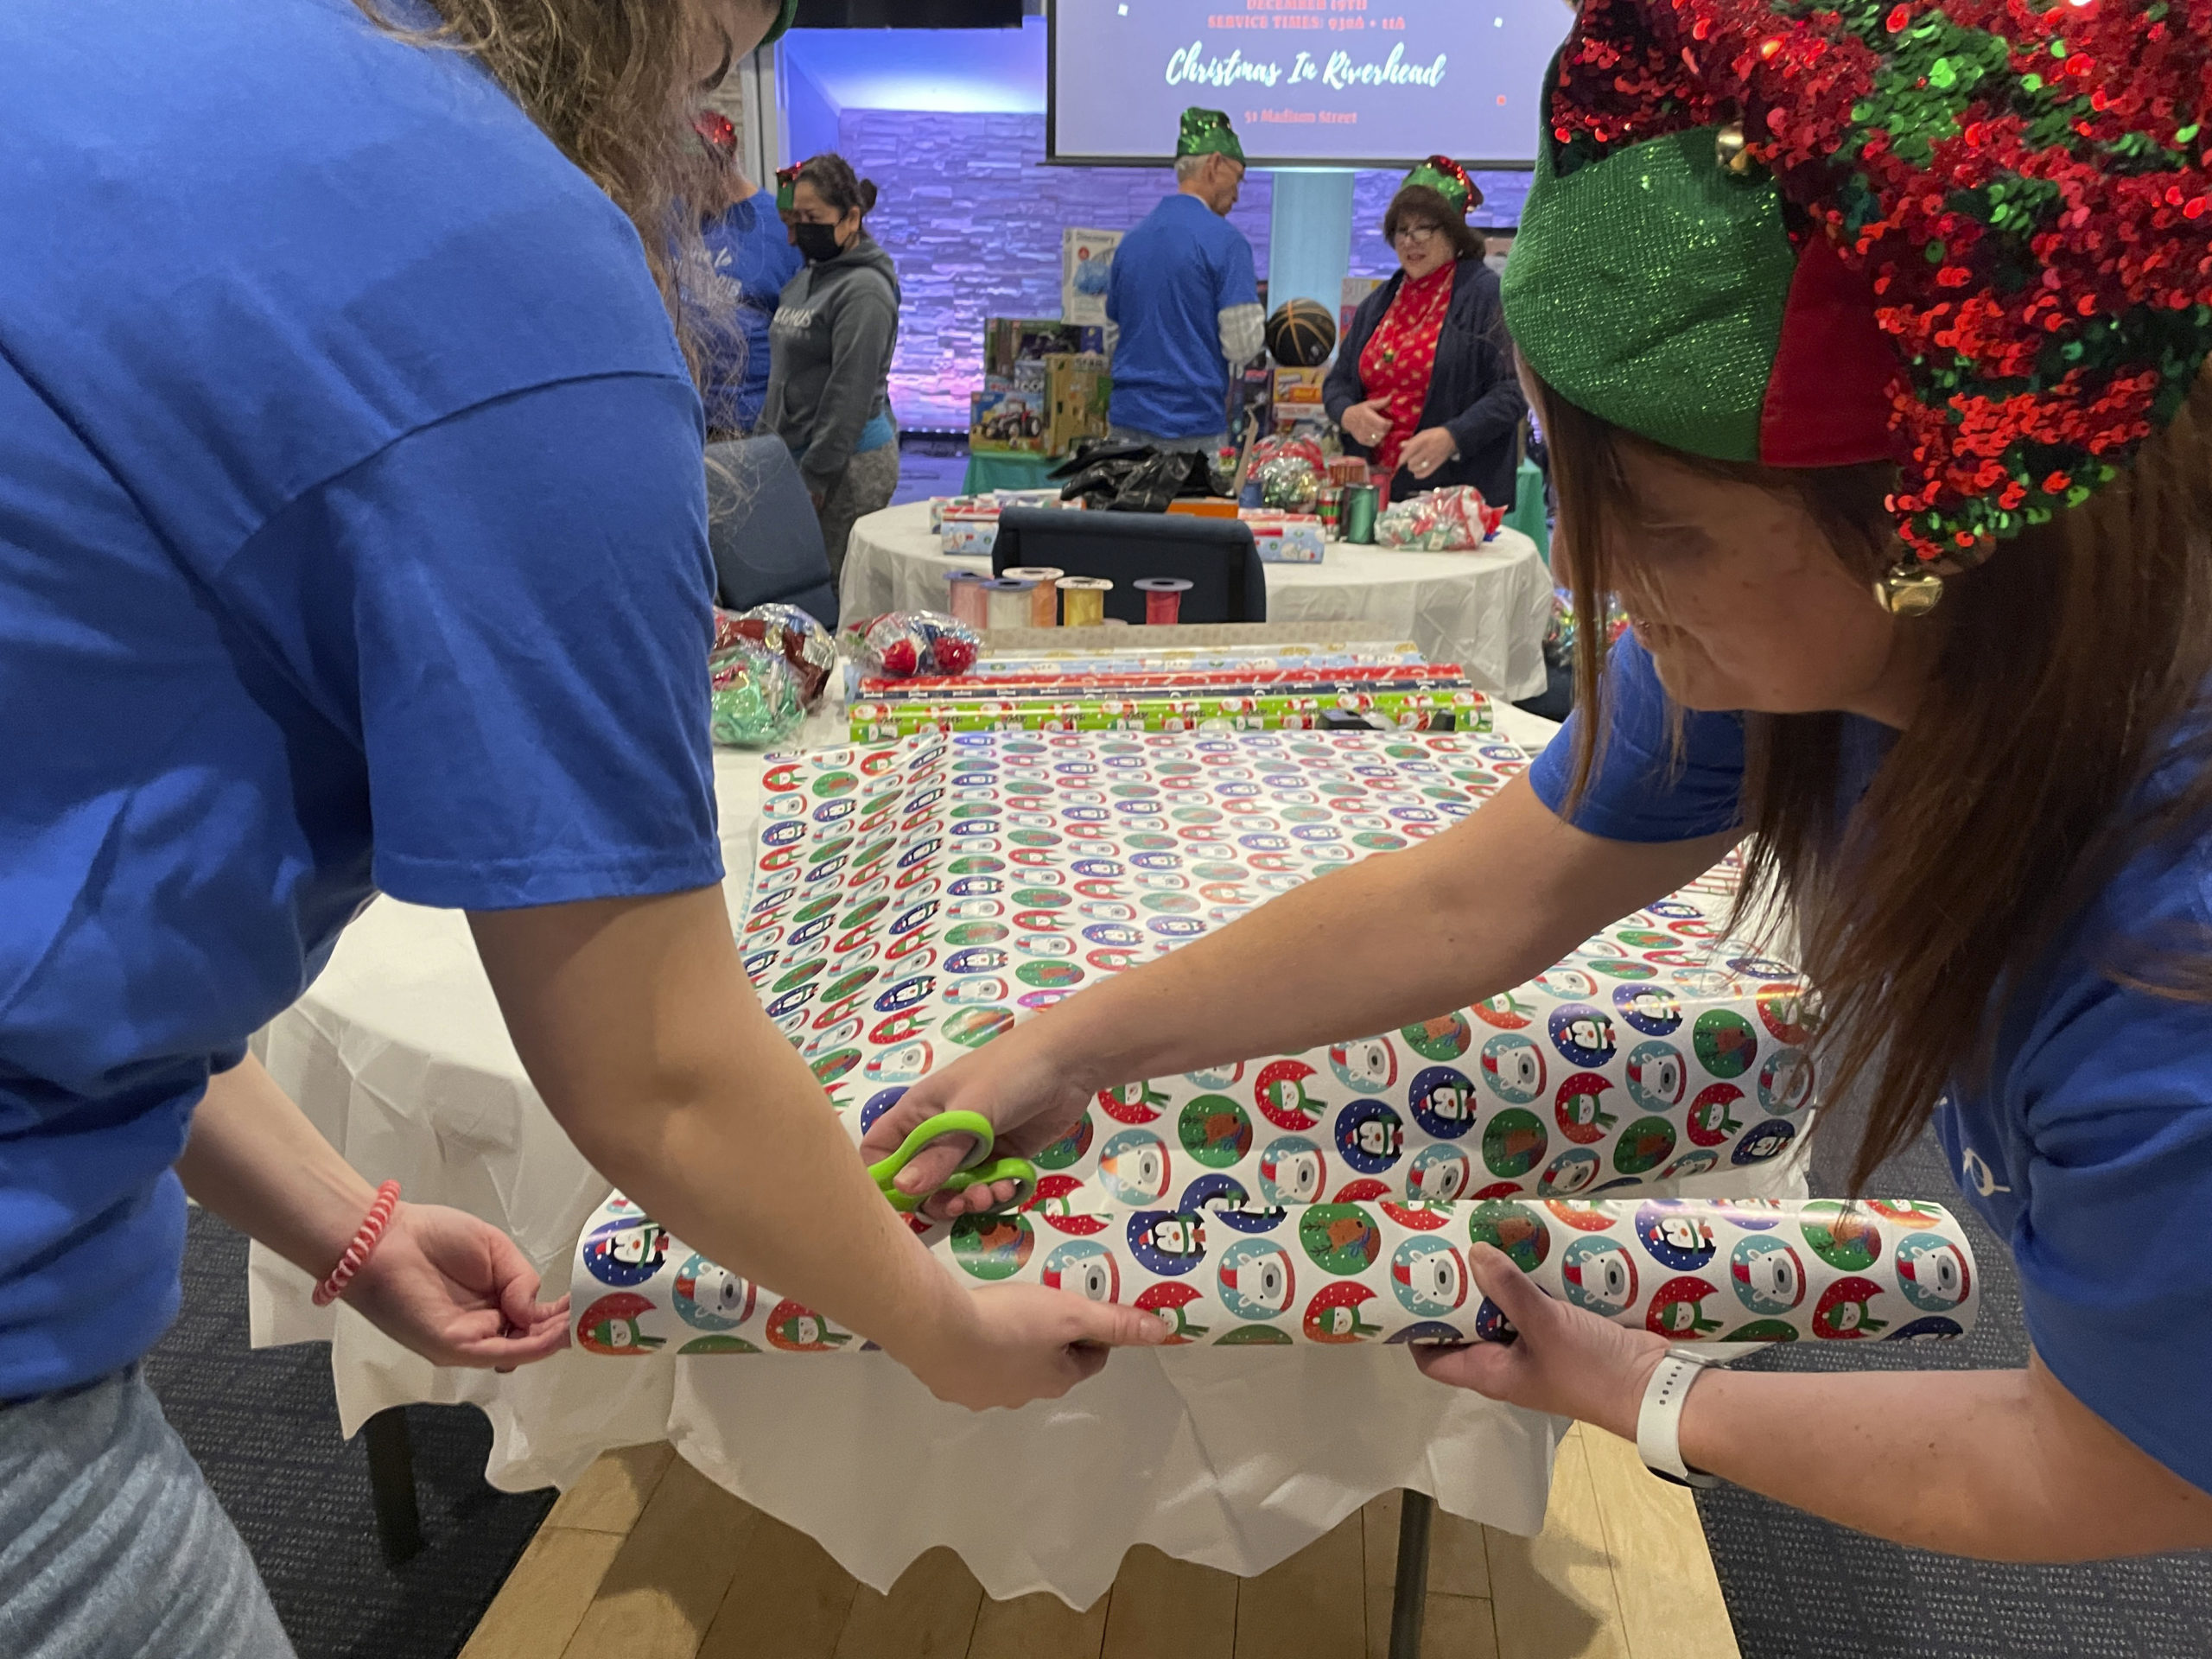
pixel 1870 340
pixel 1423 383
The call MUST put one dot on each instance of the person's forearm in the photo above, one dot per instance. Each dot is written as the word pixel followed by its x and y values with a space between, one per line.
pixel 1986 1463
pixel 637 1025
pixel 255 1161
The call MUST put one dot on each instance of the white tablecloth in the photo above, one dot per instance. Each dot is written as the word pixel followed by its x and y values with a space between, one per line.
pixel 1233 1458
pixel 1486 610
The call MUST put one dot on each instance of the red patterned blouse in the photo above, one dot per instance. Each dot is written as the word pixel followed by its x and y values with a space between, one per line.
pixel 1401 356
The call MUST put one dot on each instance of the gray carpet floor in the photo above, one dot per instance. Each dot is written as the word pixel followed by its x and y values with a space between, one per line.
pixel 1800 1588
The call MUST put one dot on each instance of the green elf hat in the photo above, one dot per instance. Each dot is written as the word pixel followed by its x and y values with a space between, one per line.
pixel 786 15
pixel 787 186
pixel 1207 132
pixel 1973 238
pixel 1449 180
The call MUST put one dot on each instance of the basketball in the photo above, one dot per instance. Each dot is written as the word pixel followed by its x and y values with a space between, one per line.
pixel 1301 335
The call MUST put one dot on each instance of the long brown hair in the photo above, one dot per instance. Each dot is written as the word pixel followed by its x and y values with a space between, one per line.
pixel 609 82
pixel 2071 667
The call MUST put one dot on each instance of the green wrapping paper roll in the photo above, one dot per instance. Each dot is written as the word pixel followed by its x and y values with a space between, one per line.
pixel 1467 711
pixel 1690 1270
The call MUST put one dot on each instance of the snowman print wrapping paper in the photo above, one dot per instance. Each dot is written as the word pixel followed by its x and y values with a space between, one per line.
pixel 912 900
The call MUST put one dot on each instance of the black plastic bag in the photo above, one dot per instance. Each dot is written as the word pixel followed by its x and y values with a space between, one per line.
pixel 1111 477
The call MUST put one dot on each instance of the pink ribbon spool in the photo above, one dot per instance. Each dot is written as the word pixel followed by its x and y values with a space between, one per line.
pixel 1163 600
pixel 969 604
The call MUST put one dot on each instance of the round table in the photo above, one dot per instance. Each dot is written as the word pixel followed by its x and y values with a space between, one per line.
pixel 1233 1458
pixel 1486 609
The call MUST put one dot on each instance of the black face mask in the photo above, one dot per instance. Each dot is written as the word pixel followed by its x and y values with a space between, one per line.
pixel 816 242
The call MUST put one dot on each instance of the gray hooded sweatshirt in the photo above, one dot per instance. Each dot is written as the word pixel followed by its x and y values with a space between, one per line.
pixel 829 352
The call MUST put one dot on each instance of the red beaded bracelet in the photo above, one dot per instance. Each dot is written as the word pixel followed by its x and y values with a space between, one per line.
pixel 364 1241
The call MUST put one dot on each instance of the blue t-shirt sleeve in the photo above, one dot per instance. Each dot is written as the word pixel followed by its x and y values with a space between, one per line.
pixel 510 612
pixel 1642 788
pixel 1240 285
pixel 2115 1283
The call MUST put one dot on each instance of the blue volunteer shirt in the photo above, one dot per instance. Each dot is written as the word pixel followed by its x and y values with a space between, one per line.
pixel 749 247
pixel 1171 278
pixel 2089 1150
pixel 352 537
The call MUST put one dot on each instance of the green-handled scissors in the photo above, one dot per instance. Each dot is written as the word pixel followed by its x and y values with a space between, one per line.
pixel 978 1168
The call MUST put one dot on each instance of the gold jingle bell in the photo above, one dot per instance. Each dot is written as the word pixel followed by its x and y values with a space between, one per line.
pixel 1730 150
pixel 1908 592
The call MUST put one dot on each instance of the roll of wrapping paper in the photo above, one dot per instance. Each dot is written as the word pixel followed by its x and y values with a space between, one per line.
pixel 1191 658
pixel 1367 1270
pixel 1163 600
pixel 1082 601
pixel 1044 605
pixel 1397 676
pixel 1008 602
pixel 1361 504
pixel 1421 710
pixel 968 605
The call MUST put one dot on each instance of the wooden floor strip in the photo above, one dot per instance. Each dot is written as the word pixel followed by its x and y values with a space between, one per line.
pixel 1167 1609
pixel 1670 1601
pixel 786 1599
pixel 1311 1606
pixel 668 1579
pixel 615 1490
pixel 930 1613
pixel 1039 1627
pixel 546 1597
pixel 1554 1594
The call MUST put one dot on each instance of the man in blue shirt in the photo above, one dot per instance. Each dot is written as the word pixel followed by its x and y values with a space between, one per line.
pixel 749 246
pixel 1183 300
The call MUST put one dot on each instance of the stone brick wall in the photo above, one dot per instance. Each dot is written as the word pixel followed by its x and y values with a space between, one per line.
pixel 972 217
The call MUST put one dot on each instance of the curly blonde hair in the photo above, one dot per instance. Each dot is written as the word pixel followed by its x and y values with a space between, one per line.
pixel 610 82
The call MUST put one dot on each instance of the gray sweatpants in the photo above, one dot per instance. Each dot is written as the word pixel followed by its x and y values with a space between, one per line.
pixel 112 1546
pixel 867 484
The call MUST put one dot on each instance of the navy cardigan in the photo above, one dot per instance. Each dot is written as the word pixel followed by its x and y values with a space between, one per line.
pixel 1472 392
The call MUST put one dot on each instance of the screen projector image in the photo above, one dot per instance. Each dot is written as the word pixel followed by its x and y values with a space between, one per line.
pixel 1317 82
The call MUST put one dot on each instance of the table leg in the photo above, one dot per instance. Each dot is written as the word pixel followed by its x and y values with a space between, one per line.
pixel 392 1484
pixel 1409 1599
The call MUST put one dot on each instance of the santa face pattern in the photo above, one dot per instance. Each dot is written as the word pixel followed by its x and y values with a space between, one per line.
pixel 1692 1270
pixel 914 899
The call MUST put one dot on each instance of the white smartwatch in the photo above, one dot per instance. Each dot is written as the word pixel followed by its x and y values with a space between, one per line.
pixel 1659 1422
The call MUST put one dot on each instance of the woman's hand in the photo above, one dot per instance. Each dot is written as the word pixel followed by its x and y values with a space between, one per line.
pixel 1020 1343
pixel 1030 1096
pixel 456 1291
pixel 1568 1361
pixel 1368 422
pixel 1428 450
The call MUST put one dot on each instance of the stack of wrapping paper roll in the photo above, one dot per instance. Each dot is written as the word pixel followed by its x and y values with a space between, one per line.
pixel 912 901
pixel 1243 696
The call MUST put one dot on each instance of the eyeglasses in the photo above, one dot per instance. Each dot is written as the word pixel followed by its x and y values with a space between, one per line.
pixel 1418 233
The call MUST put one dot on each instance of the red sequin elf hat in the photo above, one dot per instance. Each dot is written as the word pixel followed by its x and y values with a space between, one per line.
pixel 1973 238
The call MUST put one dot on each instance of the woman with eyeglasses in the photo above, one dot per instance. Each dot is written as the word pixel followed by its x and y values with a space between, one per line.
pixel 1423 384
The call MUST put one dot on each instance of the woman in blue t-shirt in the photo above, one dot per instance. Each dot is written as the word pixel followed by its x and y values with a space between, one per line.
pixel 750 247
pixel 352 538
pixel 1829 317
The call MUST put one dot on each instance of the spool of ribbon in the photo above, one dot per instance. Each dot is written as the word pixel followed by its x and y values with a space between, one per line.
pixel 1006 602
pixel 967 601
pixel 1082 601
pixel 1163 600
pixel 1043 611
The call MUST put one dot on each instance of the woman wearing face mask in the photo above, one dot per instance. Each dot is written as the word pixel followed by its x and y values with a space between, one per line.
pixel 382 426
pixel 1423 385
pixel 1831 315
pixel 831 343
